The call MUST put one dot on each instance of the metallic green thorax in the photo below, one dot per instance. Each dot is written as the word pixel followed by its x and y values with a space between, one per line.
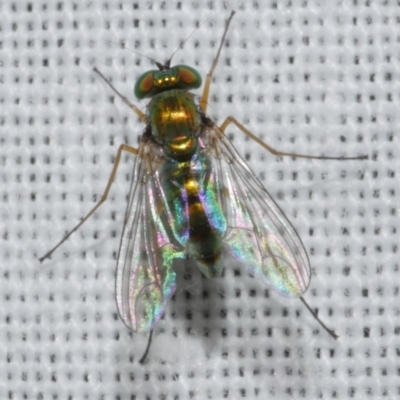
pixel 175 122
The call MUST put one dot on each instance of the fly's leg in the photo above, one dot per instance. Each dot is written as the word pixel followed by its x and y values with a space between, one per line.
pixel 206 90
pixel 315 315
pixel 146 352
pixel 122 148
pixel 231 120
pixel 134 108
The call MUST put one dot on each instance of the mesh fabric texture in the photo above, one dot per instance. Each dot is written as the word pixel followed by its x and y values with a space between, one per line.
pixel 306 77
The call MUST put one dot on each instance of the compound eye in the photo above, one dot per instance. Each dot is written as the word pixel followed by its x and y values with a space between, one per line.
pixel 189 76
pixel 144 85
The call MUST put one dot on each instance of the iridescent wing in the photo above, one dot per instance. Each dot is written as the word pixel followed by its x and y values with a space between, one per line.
pixel 258 235
pixel 145 279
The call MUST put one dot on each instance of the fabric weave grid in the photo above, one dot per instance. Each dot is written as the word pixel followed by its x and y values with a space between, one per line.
pixel 304 76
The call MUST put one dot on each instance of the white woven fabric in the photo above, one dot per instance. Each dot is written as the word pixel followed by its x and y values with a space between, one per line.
pixel 305 76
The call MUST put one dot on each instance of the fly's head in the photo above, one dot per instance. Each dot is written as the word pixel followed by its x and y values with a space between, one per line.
pixel 165 78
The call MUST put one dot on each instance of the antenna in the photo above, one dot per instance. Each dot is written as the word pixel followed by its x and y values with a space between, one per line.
pixel 168 63
pixel 159 65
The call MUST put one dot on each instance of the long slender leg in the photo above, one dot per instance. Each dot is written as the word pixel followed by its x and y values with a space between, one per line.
pixel 231 120
pixel 141 115
pixel 315 315
pixel 146 352
pixel 122 148
pixel 206 90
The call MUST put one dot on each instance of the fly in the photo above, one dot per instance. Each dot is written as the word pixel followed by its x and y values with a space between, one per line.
pixel 192 195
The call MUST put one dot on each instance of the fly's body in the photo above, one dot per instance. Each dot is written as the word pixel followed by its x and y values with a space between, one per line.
pixel 192 195
pixel 198 223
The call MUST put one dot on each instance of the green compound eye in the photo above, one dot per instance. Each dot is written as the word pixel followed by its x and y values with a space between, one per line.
pixel 189 76
pixel 153 82
pixel 144 85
